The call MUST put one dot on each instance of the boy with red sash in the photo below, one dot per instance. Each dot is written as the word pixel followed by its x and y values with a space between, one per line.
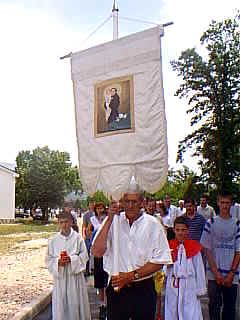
pixel 186 277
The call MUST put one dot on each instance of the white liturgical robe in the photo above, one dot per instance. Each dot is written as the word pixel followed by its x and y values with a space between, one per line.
pixel 70 296
pixel 185 283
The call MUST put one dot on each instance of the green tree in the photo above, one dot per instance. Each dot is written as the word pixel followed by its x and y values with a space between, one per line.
pixel 98 196
pixel 211 85
pixel 45 177
pixel 181 183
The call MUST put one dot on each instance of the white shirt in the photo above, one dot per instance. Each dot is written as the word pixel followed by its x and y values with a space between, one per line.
pixel 181 211
pixel 168 219
pixel 74 214
pixel 95 222
pixel 235 211
pixel 207 212
pixel 129 248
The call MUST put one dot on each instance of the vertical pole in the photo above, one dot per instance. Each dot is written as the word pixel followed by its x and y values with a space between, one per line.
pixel 115 20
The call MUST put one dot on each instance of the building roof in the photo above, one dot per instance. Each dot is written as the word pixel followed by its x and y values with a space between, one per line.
pixel 9 168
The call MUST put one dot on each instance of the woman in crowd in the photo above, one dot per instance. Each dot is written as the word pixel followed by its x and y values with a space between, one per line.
pixel 100 276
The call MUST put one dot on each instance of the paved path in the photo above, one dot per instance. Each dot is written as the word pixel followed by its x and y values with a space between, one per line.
pixel 47 314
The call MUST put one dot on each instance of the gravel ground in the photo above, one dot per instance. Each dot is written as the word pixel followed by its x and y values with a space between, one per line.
pixel 23 276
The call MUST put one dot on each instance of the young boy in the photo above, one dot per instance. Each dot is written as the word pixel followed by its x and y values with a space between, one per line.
pixel 186 277
pixel 66 260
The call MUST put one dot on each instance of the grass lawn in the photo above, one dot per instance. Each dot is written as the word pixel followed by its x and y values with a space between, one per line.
pixel 13 234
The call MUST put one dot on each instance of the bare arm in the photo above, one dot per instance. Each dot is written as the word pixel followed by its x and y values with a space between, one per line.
pixel 84 231
pixel 84 228
pixel 125 278
pixel 99 245
pixel 148 269
pixel 230 276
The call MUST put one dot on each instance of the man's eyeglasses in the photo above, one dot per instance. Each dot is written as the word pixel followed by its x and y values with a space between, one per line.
pixel 131 203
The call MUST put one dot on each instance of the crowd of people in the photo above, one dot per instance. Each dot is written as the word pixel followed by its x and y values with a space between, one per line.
pixel 136 248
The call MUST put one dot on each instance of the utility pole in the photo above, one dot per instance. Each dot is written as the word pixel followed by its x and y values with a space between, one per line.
pixel 115 20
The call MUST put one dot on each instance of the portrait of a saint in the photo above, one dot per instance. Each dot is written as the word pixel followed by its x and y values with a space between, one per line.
pixel 114 106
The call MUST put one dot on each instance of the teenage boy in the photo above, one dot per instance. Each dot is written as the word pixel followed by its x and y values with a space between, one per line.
pixel 186 277
pixel 221 238
pixel 66 260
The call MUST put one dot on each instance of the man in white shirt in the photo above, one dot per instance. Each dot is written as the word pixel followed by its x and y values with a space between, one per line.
pixel 204 209
pixel 181 208
pixel 169 217
pixel 134 247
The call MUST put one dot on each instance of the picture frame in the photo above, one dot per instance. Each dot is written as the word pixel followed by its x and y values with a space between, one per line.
pixel 114 106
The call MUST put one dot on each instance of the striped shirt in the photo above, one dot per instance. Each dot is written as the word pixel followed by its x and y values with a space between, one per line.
pixel 196 226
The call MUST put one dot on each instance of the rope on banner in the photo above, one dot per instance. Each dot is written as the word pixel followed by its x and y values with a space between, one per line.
pixel 99 27
pixel 90 35
pixel 138 20
pixel 106 20
pixel 147 22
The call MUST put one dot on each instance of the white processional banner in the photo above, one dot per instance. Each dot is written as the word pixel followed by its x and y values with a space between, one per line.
pixel 120 114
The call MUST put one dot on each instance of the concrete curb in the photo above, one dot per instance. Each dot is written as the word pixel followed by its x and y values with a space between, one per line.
pixel 30 310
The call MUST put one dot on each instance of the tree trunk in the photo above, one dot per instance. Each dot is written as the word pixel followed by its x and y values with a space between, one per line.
pixel 45 214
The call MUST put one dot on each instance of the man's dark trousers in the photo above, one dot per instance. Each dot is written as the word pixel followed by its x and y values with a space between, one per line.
pixel 88 245
pixel 222 297
pixel 137 302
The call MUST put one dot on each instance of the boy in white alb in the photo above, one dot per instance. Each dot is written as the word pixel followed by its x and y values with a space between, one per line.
pixel 186 277
pixel 66 260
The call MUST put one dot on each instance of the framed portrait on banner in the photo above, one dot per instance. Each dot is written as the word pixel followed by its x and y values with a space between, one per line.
pixel 113 106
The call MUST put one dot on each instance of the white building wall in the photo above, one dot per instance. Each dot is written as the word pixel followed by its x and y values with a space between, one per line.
pixel 7 194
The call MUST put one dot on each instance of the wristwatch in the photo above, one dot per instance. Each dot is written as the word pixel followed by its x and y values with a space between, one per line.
pixel 136 275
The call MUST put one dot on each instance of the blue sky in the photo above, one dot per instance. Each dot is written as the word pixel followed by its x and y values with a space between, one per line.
pixel 36 99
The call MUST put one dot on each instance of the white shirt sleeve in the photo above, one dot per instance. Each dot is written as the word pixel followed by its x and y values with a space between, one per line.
pixel 206 235
pixel 160 249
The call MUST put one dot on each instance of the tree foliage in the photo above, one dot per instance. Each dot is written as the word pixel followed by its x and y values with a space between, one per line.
pixel 45 177
pixel 211 85
pixel 181 184
pixel 99 196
